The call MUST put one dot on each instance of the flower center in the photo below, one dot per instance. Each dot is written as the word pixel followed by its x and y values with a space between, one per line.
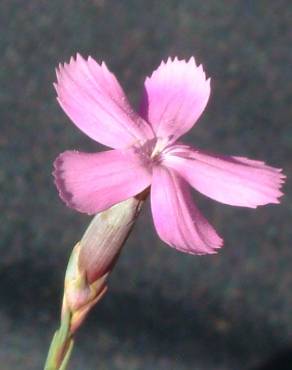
pixel 160 145
pixel 151 151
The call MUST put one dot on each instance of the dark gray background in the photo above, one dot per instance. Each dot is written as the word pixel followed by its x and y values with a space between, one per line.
pixel 164 310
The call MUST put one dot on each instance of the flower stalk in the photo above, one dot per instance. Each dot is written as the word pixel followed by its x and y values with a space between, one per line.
pixel 90 264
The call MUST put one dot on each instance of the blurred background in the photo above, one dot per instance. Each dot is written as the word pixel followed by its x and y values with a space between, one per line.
pixel 164 310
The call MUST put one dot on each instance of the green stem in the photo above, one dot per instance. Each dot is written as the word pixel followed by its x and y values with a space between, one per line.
pixel 61 346
pixel 91 261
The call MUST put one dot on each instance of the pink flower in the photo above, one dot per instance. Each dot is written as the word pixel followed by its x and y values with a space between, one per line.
pixel 146 151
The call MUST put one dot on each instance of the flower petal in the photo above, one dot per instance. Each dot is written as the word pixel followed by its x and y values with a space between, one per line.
pixel 92 183
pixel 174 97
pixel 177 220
pixel 236 181
pixel 94 100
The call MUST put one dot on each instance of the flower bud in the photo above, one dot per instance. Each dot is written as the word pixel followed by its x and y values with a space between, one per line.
pixel 101 244
pixel 93 258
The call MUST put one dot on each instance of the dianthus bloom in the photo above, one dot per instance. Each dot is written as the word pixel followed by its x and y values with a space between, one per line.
pixel 146 151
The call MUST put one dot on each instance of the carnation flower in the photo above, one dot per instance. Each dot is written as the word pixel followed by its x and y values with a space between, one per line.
pixel 146 151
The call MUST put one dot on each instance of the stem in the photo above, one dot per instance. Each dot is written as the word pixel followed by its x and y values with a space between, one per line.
pixel 78 298
pixel 90 263
pixel 61 347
